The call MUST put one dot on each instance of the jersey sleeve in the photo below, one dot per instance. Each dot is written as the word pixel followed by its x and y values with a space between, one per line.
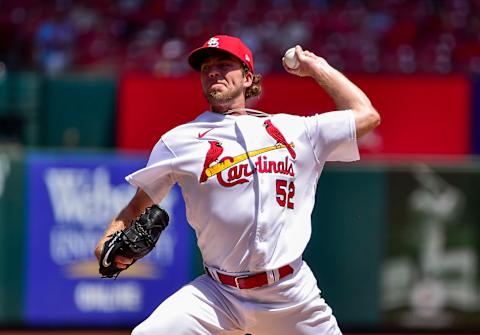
pixel 156 179
pixel 333 136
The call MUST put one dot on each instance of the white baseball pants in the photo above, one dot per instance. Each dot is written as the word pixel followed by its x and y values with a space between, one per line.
pixel 204 307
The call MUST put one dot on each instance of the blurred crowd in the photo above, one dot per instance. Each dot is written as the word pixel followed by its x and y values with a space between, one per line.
pixel 154 36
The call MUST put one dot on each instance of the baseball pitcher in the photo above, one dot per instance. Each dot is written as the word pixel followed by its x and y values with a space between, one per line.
pixel 248 180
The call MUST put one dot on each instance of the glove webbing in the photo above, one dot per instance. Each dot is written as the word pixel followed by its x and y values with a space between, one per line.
pixel 143 233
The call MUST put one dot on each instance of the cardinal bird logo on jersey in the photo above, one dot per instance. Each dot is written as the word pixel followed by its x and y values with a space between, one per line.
pixel 278 136
pixel 216 149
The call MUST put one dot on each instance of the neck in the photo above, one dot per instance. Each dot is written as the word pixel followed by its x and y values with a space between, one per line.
pixel 238 109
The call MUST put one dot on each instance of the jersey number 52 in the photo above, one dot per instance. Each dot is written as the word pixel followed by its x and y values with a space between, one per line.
pixel 285 193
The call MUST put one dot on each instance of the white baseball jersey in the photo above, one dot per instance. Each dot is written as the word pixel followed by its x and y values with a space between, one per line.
pixel 248 182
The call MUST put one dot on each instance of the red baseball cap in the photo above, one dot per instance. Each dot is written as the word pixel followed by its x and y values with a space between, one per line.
pixel 229 44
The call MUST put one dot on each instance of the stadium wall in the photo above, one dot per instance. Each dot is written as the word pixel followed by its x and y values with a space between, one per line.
pixel 421 115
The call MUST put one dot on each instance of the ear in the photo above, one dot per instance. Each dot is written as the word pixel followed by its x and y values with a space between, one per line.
pixel 248 79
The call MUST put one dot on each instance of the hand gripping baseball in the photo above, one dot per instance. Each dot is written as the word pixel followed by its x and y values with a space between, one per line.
pixel 308 64
pixel 133 242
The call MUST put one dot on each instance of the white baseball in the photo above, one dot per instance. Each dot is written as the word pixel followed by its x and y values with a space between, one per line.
pixel 291 59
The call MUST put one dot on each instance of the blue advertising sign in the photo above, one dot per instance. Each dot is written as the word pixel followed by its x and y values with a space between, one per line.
pixel 71 200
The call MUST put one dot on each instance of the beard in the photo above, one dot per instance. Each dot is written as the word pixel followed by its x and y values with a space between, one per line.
pixel 216 98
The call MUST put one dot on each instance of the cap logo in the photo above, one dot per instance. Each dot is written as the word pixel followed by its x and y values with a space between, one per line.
pixel 213 42
pixel 247 58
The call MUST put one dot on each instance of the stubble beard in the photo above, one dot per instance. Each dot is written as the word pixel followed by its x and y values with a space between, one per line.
pixel 216 98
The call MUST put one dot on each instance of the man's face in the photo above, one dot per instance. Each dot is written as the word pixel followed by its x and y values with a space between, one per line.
pixel 223 79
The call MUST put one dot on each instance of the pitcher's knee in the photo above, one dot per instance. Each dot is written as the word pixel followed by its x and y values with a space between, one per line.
pixel 138 331
pixel 176 323
pixel 141 330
